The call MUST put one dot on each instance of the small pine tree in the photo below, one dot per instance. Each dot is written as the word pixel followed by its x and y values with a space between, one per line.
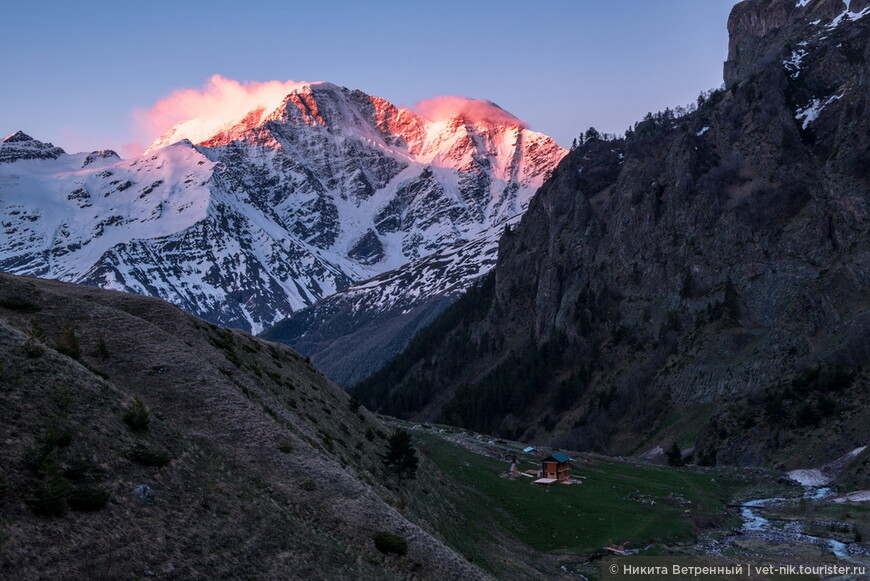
pixel 593 134
pixel 51 490
pixel 102 350
pixel 68 343
pixel 675 455
pixel 730 302
pixel 389 543
pixel 401 457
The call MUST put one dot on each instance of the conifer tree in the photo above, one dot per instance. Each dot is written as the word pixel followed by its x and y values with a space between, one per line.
pixel 401 457
pixel 675 455
pixel 731 304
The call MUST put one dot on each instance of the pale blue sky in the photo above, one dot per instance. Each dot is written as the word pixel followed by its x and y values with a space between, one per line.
pixel 74 71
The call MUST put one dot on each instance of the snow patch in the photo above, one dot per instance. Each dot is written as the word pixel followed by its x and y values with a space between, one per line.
pixel 811 112
pixel 793 64
pixel 854 453
pixel 827 473
pixel 653 454
pixel 810 477
pixel 857 496
pixel 848 15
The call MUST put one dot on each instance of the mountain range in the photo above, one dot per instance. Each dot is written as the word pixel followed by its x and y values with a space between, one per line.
pixel 710 256
pixel 246 222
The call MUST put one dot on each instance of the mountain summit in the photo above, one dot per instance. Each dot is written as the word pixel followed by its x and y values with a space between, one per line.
pixel 19 145
pixel 245 220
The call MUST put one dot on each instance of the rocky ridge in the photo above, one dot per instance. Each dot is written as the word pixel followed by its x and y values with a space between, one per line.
pixel 20 146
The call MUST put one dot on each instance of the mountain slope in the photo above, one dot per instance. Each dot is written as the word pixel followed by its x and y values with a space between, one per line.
pixel 352 333
pixel 704 280
pixel 268 213
pixel 251 465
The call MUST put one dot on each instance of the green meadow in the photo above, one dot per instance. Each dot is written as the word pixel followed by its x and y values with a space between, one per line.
pixel 618 502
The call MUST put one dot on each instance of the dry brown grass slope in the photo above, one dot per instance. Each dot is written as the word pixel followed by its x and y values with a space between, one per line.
pixel 268 470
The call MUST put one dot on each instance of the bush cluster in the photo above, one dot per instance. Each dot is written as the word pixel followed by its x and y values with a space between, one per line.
pixel 389 543
pixel 137 415
pixel 145 455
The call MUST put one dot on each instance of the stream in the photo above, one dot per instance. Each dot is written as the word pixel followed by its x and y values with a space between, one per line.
pixel 755 524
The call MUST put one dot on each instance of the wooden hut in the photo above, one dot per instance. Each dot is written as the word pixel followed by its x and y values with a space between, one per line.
pixel 556 466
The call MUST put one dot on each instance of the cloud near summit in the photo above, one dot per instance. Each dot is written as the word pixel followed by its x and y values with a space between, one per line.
pixel 218 102
pixel 221 101
pixel 475 110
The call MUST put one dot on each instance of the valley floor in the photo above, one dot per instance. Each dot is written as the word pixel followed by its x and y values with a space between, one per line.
pixel 730 514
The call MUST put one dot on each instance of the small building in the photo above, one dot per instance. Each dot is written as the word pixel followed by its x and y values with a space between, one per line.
pixel 556 466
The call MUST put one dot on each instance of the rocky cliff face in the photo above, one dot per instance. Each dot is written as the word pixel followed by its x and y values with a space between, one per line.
pixel 703 278
pixel 758 32
pixel 247 222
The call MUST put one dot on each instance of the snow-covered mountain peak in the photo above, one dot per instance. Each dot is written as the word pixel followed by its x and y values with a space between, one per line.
pixel 295 191
pixel 17 137
pixel 352 113
pixel 19 146
pixel 200 115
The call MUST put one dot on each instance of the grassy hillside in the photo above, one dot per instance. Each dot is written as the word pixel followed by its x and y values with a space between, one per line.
pixel 140 441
